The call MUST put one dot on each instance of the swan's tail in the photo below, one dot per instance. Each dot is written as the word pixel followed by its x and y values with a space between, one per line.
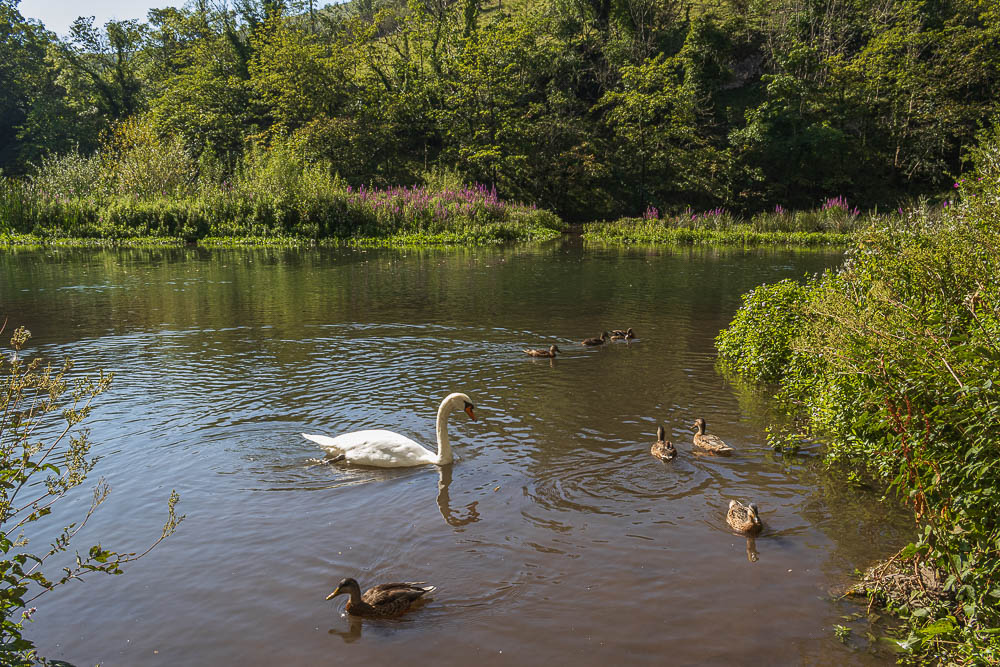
pixel 322 440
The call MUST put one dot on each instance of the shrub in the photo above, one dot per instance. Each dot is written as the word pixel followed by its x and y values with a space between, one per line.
pixel 43 456
pixel 896 359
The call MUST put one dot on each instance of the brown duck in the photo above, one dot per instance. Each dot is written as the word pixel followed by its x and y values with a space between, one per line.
pixel 743 519
pixel 551 352
pixel 596 341
pixel 380 601
pixel 662 448
pixel 618 334
pixel 710 444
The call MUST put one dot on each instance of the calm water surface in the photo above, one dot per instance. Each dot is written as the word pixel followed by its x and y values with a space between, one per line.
pixel 555 536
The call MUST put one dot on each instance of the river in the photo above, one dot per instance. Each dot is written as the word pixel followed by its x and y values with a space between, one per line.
pixel 554 537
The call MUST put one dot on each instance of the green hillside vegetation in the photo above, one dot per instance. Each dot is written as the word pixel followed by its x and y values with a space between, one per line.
pixel 592 109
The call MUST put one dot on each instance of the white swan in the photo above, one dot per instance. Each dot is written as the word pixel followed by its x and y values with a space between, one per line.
pixel 385 449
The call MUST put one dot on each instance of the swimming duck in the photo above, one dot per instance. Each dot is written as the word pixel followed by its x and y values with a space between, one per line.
pixel 380 601
pixel 662 448
pixel 711 444
pixel 596 341
pixel 743 518
pixel 618 334
pixel 551 352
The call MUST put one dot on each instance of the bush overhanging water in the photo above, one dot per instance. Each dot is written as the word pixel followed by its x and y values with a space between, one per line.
pixel 895 359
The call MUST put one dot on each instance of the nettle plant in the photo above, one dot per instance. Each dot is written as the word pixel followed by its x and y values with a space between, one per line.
pixel 43 456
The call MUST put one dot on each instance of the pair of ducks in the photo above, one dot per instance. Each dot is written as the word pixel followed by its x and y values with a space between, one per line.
pixel 741 518
pixel 617 334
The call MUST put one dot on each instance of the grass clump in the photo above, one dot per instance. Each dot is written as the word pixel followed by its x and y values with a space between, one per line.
pixel 895 360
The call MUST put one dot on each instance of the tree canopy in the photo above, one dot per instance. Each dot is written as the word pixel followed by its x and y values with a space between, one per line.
pixel 592 108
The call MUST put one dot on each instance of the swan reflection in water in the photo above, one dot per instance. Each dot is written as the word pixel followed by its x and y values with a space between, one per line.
pixel 444 501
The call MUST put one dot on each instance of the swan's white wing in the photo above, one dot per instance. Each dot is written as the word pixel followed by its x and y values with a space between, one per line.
pixel 376 447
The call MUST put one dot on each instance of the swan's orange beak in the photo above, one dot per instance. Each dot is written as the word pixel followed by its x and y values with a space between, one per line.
pixel 468 411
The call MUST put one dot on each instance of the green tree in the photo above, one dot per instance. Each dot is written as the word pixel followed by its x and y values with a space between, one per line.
pixel 652 119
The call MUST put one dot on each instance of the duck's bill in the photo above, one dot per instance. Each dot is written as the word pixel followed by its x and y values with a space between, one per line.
pixel 334 594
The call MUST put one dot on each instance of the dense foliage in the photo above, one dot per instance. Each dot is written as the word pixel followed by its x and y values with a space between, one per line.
pixel 44 455
pixel 895 359
pixel 138 185
pixel 594 109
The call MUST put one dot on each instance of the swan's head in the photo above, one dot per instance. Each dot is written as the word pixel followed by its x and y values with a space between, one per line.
pixel 461 401
pixel 348 586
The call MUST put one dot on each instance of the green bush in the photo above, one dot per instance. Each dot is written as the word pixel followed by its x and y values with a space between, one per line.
pixel 896 359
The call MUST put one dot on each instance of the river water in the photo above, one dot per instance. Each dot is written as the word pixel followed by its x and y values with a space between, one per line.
pixel 555 536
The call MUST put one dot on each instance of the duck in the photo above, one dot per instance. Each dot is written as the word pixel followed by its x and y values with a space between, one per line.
pixel 381 601
pixel 596 341
pixel 743 518
pixel 385 449
pixel 551 352
pixel 618 334
pixel 711 444
pixel 662 448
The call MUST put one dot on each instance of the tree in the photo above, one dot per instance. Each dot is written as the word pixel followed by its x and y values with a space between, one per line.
pixel 43 456
pixel 102 69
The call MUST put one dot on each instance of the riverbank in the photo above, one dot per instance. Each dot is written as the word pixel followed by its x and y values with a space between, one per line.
pixel 894 361
pixel 832 223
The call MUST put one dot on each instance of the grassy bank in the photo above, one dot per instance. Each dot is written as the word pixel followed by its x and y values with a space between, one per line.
pixel 149 189
pixel 832 223
pixel 895 361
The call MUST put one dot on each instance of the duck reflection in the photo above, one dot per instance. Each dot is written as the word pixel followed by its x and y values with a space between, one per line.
pixel 353 632
pixel 444 501
pixel 752 554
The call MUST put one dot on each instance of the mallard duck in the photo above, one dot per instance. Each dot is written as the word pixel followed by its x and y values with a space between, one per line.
pixel 743 518
pixel 596 341
pixel 380 601
pixel 618 334
pixel 551 352
pixel 662 448
pixel 711 444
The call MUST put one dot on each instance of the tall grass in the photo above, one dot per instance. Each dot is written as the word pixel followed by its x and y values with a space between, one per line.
pixel 831 223
pixel 140 186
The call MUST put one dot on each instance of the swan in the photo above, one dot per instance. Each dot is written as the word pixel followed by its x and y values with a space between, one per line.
pixel 384 449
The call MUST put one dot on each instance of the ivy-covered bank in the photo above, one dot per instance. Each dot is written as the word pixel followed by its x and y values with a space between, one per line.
pixel 895 361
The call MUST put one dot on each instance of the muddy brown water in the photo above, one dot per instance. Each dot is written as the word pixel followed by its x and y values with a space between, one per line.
pixel 554 538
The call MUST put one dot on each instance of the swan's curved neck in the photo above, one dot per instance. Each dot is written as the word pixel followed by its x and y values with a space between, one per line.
pixel 444 445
